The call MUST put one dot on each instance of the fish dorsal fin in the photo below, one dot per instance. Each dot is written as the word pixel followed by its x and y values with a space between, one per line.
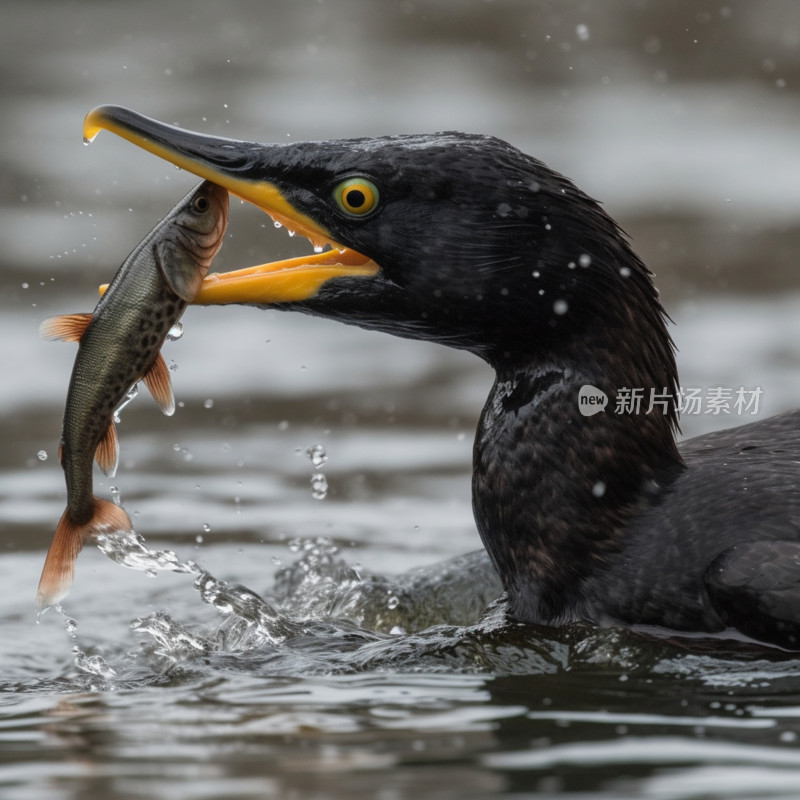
pixel 107 453
pixel 66 328
pixel 159 384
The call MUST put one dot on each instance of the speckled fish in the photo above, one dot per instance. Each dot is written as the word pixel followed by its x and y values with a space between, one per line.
pixel 120 344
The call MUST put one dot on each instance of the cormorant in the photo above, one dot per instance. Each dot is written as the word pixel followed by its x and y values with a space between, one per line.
pixel 466 241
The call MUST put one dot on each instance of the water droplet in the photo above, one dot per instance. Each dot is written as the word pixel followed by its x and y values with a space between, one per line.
pixel 560 307
pixel 175 332
pixel 625 272
pixel 318 248
pixel 393 602
pixel 42 455
pixel 291 233
pixel 209 403
pixel 71 627
pixel 199 538
pixel 129 397
pixel 585 259
pixel 206 527
pixel 319 486
pixel 582 32
pixel 114 490
pixel 317 455
pixel 277 224
pixel 599 489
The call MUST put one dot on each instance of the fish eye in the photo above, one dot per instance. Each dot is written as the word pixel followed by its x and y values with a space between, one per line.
pixel 356 196
pixel 200 204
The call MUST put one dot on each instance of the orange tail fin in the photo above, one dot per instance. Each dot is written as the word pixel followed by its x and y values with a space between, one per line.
pixel 59 566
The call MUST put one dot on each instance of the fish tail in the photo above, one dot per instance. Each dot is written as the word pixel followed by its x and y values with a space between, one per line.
pixel 69 538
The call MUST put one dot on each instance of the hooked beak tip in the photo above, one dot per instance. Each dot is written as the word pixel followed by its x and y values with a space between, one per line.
pixel 243 168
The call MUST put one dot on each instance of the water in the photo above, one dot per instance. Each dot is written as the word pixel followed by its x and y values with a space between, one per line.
pixel 255 641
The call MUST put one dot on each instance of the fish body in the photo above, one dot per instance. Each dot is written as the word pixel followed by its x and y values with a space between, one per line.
pixel 119 344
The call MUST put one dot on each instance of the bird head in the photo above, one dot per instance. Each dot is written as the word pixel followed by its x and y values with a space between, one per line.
pixel 455 238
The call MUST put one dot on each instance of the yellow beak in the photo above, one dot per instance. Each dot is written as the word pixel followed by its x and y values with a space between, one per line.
pixel 239 167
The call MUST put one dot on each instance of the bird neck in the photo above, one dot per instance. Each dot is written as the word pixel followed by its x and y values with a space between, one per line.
pixel 554 489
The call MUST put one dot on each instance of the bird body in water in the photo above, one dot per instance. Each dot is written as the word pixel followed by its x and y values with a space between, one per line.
pixel 466 241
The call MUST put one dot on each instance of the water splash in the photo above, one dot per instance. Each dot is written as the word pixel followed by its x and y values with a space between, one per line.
pixel 323 616
pixel 93 664
pixel 128 548
pixel 254 622
pixel 173 641
pixel 327 616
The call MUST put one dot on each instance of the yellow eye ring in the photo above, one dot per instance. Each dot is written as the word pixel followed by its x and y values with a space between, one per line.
pixel 356 196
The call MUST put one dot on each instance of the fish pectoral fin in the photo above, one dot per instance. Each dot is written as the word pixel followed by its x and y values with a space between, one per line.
pixel 65 328
pixel 159 384
pixel 184 277
pixel 59 566
pixel 107 453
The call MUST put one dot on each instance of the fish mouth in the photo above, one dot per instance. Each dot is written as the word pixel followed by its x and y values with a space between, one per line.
pixel 240 167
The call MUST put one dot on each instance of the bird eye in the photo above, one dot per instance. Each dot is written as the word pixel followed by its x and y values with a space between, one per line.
pixel 356 196
pixel 200 204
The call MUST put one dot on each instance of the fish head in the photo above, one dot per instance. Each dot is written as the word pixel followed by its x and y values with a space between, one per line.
pixel 192 235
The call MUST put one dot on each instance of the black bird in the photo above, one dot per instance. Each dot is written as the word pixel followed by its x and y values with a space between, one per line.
pixel 464 240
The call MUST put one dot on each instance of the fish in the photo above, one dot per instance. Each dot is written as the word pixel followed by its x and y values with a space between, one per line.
pixel 119 345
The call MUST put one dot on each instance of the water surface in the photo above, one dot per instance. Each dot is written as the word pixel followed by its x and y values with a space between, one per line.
pixel 344 645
